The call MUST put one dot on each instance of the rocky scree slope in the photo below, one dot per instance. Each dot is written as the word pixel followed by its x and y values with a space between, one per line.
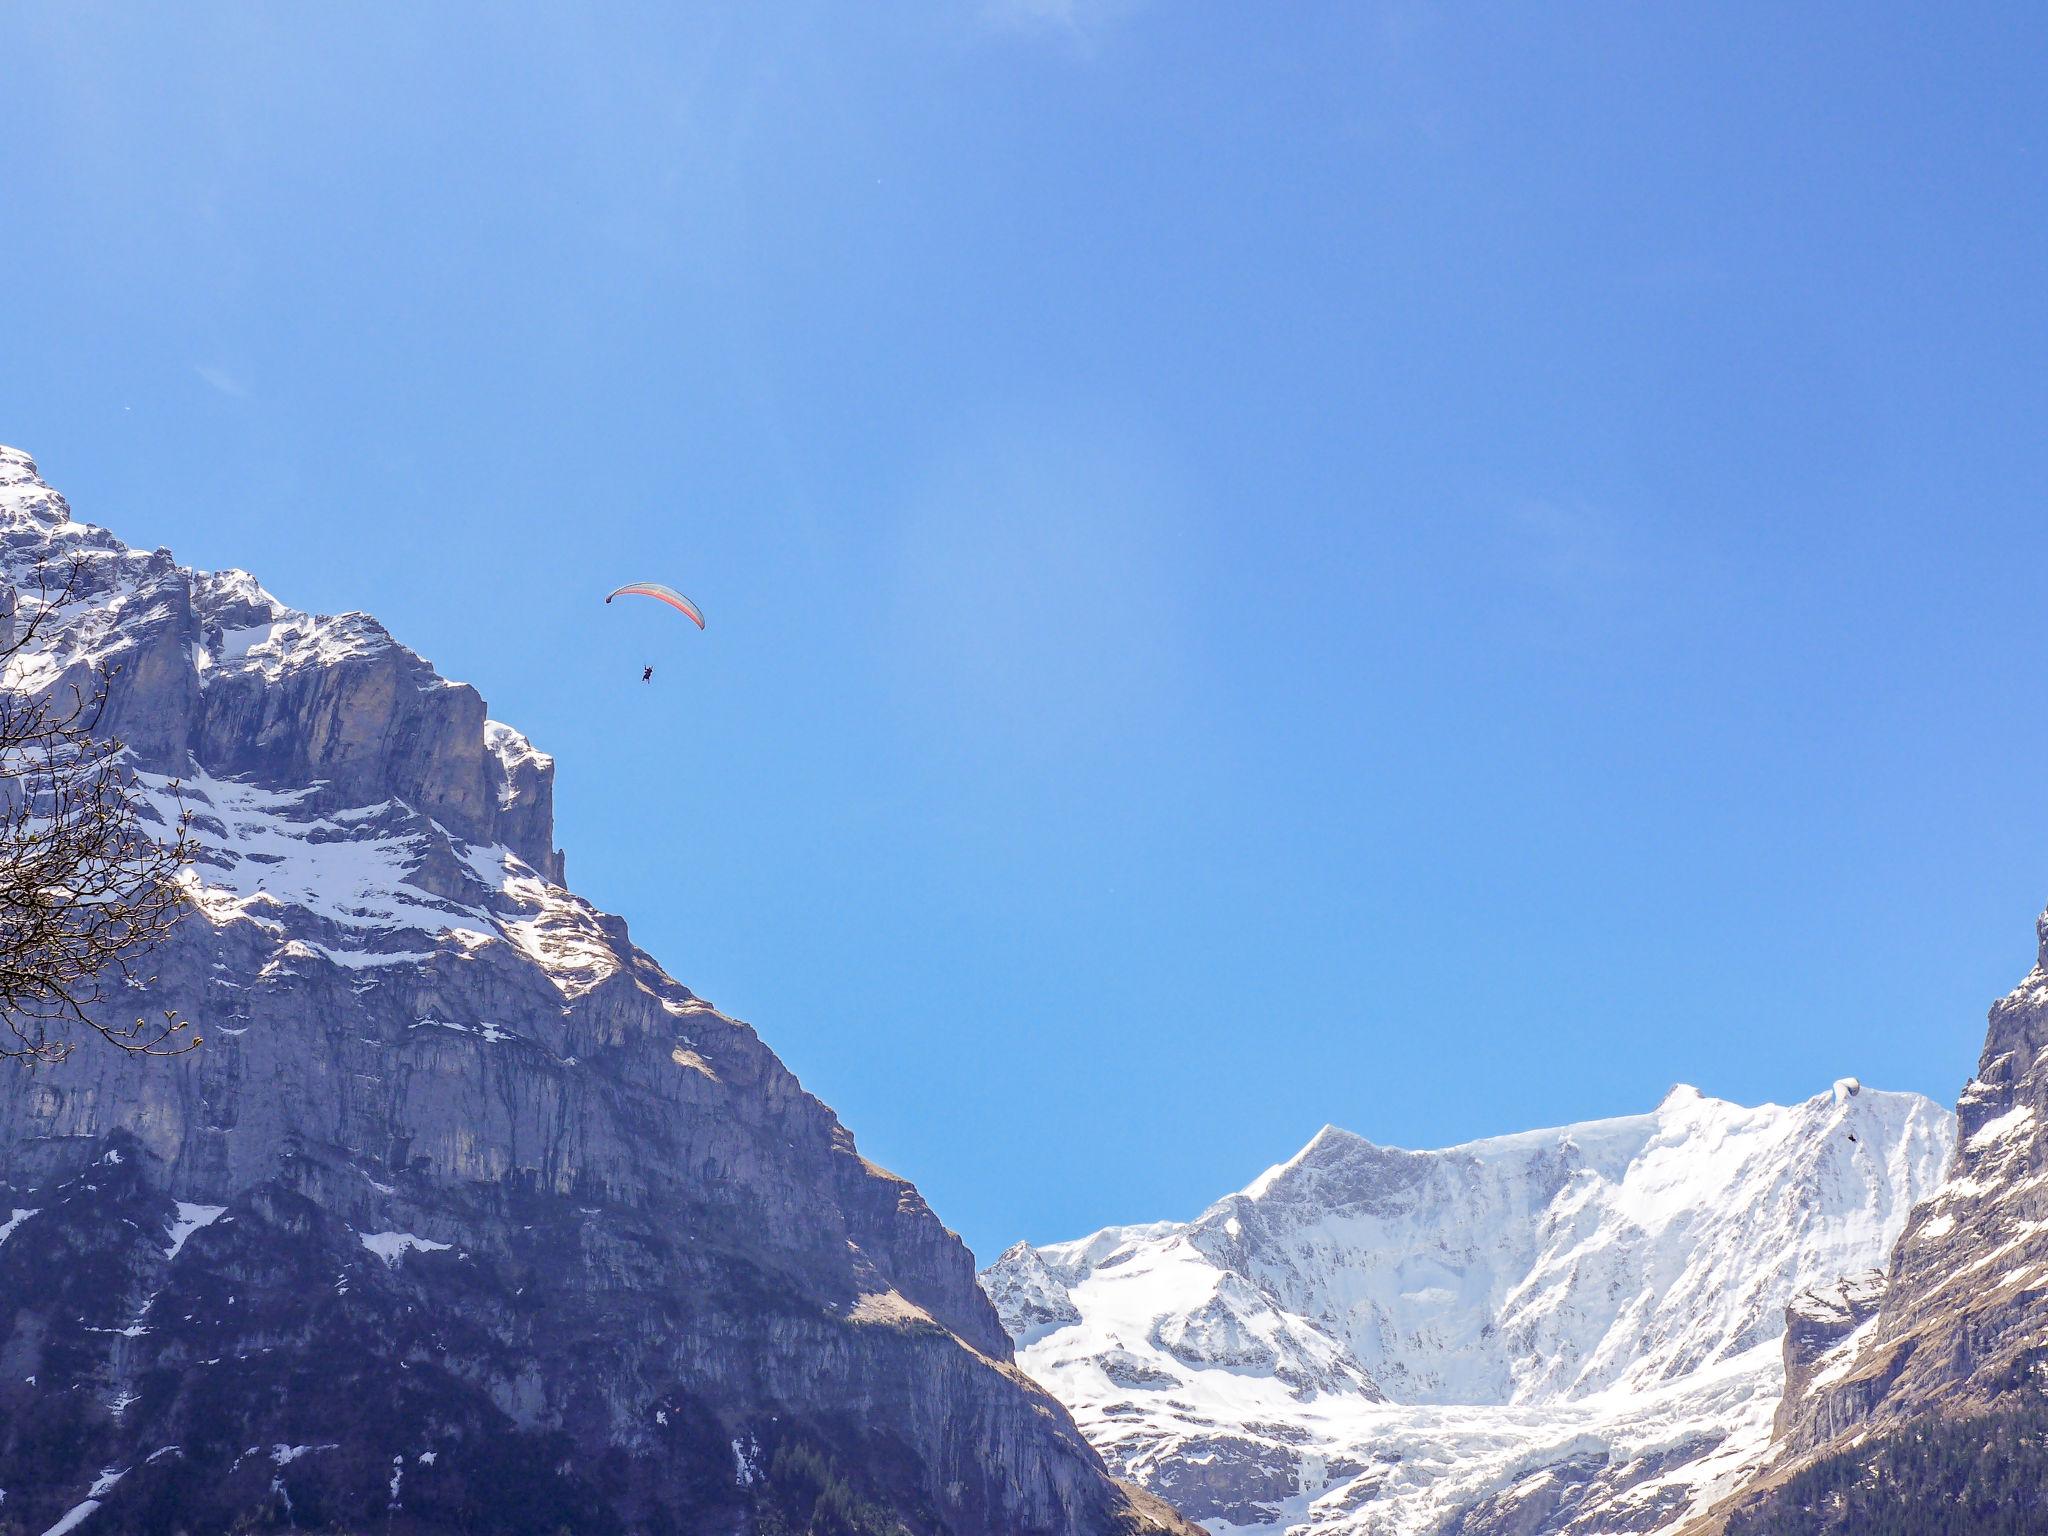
pixel 1573 1330
pixel 466 1216
pixel 1956 1327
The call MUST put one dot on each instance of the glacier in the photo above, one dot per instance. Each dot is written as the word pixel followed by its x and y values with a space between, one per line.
pixel 1567 1330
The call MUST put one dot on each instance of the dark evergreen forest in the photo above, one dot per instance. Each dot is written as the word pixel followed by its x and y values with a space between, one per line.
pixel 1975 1477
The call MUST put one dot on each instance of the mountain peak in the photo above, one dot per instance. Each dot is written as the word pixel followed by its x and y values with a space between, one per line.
pixel 216 677
pixel 460 1174
pixel 17 469
pixel 1612 1290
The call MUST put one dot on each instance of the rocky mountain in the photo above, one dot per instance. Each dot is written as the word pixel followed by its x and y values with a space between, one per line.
pixel 1953 1333
pixel 1572 1330
pixel 466 1216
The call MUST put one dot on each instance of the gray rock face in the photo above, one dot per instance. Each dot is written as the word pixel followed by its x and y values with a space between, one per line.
pixel 1821 1330
pixel 466 1216
pixel 1963 1323
pixel 1957 1327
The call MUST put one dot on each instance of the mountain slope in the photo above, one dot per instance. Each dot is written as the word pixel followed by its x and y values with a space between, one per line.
pixel 1954 1333
pixel 466 1216
pixel 1574 1329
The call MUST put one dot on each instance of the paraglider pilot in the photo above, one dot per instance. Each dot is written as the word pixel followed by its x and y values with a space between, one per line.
pixel 669 595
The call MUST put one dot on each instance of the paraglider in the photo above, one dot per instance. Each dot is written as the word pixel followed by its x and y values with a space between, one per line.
pixel 660 594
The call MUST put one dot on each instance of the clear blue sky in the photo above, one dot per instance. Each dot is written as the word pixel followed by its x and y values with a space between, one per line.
pixel 1437 568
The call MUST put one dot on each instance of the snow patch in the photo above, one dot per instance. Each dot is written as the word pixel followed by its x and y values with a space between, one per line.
pixel 190 1219
pixel 20 1215
pixel 78 1513
pixel 2012 1123
pixel 489 1033
pixel 393 1246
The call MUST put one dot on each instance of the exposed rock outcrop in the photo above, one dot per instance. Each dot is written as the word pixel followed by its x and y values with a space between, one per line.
pixel 1822 1327
pixel 1964 1321
pixel 1958 1328
pixel 466 1216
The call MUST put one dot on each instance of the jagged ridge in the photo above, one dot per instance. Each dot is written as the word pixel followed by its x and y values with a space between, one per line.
pixel 1956 1329
pixel 467 1216
pixel 1574 1329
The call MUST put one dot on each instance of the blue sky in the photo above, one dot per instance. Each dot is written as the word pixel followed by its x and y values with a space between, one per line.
pixel 1440 569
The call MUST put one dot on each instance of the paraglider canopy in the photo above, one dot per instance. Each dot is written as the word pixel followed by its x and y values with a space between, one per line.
pixel 661 594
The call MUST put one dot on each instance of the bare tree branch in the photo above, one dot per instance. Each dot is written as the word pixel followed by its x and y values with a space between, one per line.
pixel 86 890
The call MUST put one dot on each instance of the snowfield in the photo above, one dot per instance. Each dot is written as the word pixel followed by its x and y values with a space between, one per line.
pixel 1576 1328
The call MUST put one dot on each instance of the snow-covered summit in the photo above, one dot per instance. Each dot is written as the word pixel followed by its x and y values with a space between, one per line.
pixel 1495 1301
pixel 1471 1274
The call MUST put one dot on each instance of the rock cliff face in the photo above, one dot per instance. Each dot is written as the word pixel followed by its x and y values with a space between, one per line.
pixel 1823 1325
pixel 1963 1324
pixel 466 1216
pixel 1957 1328
pixel 1565 1331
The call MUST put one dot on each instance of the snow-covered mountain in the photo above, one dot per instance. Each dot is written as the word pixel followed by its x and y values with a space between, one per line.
pixel 1566 1330
pixel 467 1216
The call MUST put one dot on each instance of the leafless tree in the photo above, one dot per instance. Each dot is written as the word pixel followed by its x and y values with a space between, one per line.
pixel 87 889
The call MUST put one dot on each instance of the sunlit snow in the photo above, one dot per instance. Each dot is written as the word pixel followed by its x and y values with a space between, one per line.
pixel 1373 1338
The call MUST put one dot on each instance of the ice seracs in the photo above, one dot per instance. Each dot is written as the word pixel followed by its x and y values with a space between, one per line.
pixel 1370 1339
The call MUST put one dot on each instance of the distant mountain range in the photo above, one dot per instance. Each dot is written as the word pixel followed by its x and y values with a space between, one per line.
pixel 1570 1330
pixel 1823 1320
